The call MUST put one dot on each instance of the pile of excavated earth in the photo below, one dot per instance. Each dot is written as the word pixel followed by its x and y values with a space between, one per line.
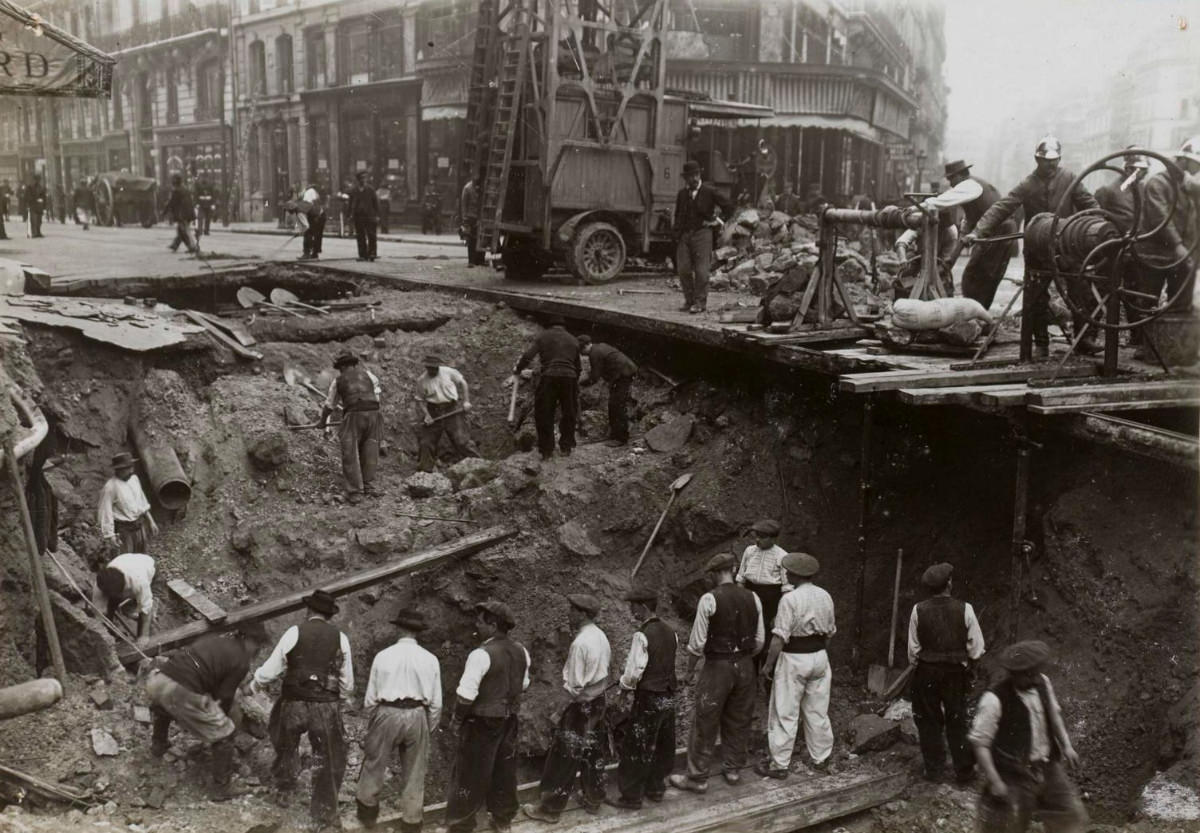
pixel 1111 581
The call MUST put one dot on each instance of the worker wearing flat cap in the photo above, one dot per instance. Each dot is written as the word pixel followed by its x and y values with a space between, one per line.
pixel 485 724
pixel 1021 745
pixel 579 739
pixel 727 632
pixel 943 640
pixel 124 513
pixel 761 571
pixel 647 753
pixel 404 697
pixel 798 664
pixel 357 390
pixel 559 365
pixel 610 364
pixel 443 402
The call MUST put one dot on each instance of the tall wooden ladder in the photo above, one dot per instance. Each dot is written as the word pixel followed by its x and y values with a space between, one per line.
pixel 513 68
pixel 478 112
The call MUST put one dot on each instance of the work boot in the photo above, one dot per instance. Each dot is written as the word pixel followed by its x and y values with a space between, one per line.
pixel 821 766
pixel 500 825
pixel 1041 351
pixel 354 498
pixel 655 797
pixel 767 771
pixel 160 740
pixel 622 803
pixel 226 791
pixel 367 814
pixel 615 443
pixel 1088 347
pixel 536 813
pixel 686 306
pixel 732 777
pixel 409 827
pixel 685 783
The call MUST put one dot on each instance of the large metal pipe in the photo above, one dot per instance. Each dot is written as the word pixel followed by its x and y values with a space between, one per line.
pixel 32 696
pixel 890 217
pixel 170 484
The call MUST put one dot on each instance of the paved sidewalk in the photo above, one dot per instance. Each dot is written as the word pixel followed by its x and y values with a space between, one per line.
pixel 406 235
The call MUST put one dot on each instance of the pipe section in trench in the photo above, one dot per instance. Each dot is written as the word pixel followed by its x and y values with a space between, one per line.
pixel 170 484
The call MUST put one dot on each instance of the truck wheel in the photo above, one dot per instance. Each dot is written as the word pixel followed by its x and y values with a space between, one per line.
pixel 597 252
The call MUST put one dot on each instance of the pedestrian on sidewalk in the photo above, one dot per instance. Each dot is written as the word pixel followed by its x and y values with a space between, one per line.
pixel 1021 744
pixel 364 210
pixel 648 747
pixel 557 352
pixel 35 201
pixel 127 580
pixel 727 633
pixel 444 400
pixel 580 736
pixel 431 208
pixel 485 724
pixel 698 210
pixel 404 697
pixel 468 212
pixel 314 660
pixel 206 204
pixel 314 234
pixel 81 199
pixel 180 210
pixel 943 639
pixel 123 513
pixel 610 364
pixel 357 390
pixel 799 666
pixel 196 687
pixel 761 571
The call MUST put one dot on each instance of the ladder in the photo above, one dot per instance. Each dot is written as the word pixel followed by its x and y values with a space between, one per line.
pixel 477 91
pixel 513 67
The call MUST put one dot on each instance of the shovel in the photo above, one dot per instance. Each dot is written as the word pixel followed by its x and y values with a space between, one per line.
pixel 249 297
pixel 295 376
pixel 676 486
pixel 880 678
pixel 512 401
pixel 283 298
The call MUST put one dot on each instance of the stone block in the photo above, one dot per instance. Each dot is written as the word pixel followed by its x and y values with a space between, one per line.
pixel 872 733
pixel 425 484
pixel 471 472
pixel 671 435
pixel 574 538
pixel 100 697
pixel 725 253
pixel 269 451
pixel 757 284
pixel 374 539
pixel 104 744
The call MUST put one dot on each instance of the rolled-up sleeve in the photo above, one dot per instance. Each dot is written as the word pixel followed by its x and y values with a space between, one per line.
pixel 975 646
pixel 699 636
pixel 987 720
pixel 273 668
pixel 635 663
pixel 346 677
pixel 914 641
pixel 478 663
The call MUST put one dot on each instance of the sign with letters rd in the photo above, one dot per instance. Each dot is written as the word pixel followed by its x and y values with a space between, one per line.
pixel 39 59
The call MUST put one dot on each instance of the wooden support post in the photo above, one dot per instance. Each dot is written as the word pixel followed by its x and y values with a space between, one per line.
pixel 864 489
pixel 1019 545
pixel 35 565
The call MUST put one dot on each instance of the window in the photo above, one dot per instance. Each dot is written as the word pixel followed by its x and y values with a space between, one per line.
pixel 442 29
pixel 257 67
pixel 252 152
pixel 283 64
pixel 210 91
pixel 318 152
pixel 118 110
pixel 354 57
pixel 315 62
pixel 727 29
pixel 387 48
pixel 172 96
pixel 145 100
pixel 814 37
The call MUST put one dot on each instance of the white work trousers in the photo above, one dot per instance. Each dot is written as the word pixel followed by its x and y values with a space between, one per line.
pixel 801 689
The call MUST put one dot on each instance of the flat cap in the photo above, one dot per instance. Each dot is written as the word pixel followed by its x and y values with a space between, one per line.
pixel 766 527
pixel 720 561
pixel 413 620
pixel 643 593
pixel 936 576
pixel 500 610
pixel 801 563
pixel 556 321
pixel 1025 656
pixel 585 602
pixel 345 358
pixel 431 360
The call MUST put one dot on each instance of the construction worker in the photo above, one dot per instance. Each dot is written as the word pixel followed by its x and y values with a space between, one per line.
pixel 943 638
pixel 196 687
pixel 610 364
pixel 314 233
pixel 485 724
pixel 35 202
pixel 798 664
pixel 1042 191
pixel 357 390
pixel 206 204
pixel 698 209
pixel 468 213
pixel 557 352
pixel 314 660
pixel 1172 251
pixel 648 749
pixel 124 513
pixel 444 400
pixel 126 579
pixel 727 632
pixel 364 210
pixel 404 697
pixel 1116 198
pixel 1021 743
pixel 180 210
pixel 580 737
pixel 761 569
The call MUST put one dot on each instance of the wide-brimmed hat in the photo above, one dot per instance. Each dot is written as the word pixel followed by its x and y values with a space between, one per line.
pixel 720 561
pixel 123 460
pixel 936 576
pixel 958 166
pixel 801 563
pixel 413 620
pixel 1025 656
pixel 641 593
pixel 691 167
pixel 344 359
pixel 586 602
pixel 766 528
pixel 556 321
pixel 321 601
pixel 499 610
pixel 430 360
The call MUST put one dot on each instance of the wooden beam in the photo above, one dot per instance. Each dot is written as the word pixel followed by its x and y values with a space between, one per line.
pixel 221 336
pixel 1139 438
pixel 342 586
pixel 1006 395
pixel 1115 393
pixel 896 379
pixel 206 607
pixel 1142 405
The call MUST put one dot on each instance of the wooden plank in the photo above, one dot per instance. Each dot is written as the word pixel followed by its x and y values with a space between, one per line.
pixel 206 607
pixel 58 792
pixel 1149 440
pixel 351 583
pixel 963 395
pixel 234 328
pixel 1116 392
pixel 221 336
pixel 1003 396
pixel 896 379
pixel 107 322
pixel 1142 405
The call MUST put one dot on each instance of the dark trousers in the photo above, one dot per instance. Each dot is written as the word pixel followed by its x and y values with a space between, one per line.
pixel 556 393
pixel 576 750
pixel 364 233
pixel 618 408
pixel 183 234
pixel 314 234
pixel 131 535
pixel 1038 305
pixel 648 748
pixel 939 700
pixel 454 427
pixel 35 223
pixel 693 262
pixel 985 269
pixel 1051 796
pixel 3 231
pixel 290 720
pixel 359 435
pixel 484 774
pixel 204 221
pixel 220 752
pixel 768 596
pixel 474 255
pixel 725 705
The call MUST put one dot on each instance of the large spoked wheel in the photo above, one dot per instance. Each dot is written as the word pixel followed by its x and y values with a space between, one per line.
pixel 104 202
pixel 597 253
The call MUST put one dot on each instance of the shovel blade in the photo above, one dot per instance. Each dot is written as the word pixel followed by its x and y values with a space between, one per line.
pixel 681 481
pixel 283 297
pixel 248 296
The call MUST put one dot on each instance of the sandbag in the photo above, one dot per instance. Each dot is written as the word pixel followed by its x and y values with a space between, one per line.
pixel 911 314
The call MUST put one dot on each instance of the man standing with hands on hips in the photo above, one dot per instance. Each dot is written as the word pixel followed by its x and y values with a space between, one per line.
pixel 697 210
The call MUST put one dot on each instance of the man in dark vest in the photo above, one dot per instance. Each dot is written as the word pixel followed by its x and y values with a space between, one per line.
pixel 485 724
pixel 697 212
pixel 610 364
pixel 557 352
pixel 727 632
pixel 648 747
pixel 313 658
pixel 180 210
pixel 364 209
pixel 206 205
pixel 1021 743
pixel 943 639
pixel 35 202
pixel 357 390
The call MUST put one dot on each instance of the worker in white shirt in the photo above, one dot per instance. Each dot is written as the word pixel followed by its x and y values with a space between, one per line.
pixel 799 665
pixel 579 739
pixel 404 696
pixel 313 212
pixel 943 638
pixel 357 390
pixel 124 513
pixel 313 658
pixel 443 402
pixel 761 572
pixel 1021 743
pixel 126 579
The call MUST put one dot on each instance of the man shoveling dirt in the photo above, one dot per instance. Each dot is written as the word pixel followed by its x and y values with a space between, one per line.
pixel 357 390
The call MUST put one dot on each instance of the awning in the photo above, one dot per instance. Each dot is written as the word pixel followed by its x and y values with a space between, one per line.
pixel 444 111
pixel 43 60
pixel 729 110
pixel 851 125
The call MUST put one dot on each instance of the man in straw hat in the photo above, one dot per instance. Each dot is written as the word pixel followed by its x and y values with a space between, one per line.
pixel 799 664
pixel 1021 743
pixel 404 696
pixel 443 402
pixel 727 633
pixel 124 513
pixel 485 724
pixel 357 390
pixel 313 658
